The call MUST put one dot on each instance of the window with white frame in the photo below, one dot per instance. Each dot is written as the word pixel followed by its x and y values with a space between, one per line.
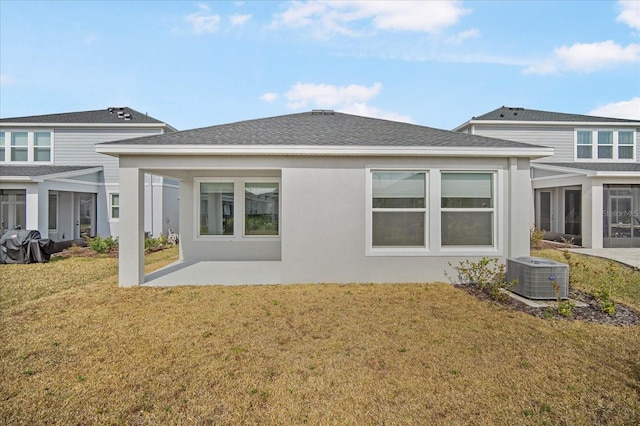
pixel 19 146
pixel 398 209
pixel 467 209
pixel 238 207
pixel 41 146
pixel 22 146
pixel 605 145
pixel 114 205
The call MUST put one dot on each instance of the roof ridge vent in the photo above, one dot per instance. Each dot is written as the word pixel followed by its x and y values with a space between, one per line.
pixel 322 112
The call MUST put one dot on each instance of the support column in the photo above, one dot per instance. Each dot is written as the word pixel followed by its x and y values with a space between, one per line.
pixel 131 235
pixel 519 209
pixel 43 211
pixel 32 207
pixel 593 231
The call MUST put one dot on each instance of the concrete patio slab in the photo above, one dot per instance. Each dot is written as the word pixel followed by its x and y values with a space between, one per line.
pixel 215 273
pixel 628 256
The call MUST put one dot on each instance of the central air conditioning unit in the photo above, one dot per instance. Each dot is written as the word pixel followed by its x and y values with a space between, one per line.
pixel 536 277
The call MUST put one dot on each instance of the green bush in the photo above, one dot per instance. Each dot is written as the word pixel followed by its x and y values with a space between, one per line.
pixel 487 274
pixel 102 245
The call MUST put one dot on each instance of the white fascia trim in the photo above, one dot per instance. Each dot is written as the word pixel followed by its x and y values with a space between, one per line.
pixel 557 123
pixel 123 149
pixel 616 174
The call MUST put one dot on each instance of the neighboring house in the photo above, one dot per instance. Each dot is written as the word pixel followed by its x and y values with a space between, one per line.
pixel 52 180
pixel 590 187
pixel 327 197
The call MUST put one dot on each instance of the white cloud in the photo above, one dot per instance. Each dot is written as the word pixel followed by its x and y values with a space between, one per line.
pixel 350 99
pixel 369 111
pixel 629 13
pixel 203 21
pixel 460 37
pixel 342 17
pixel 329 96
pixel 239 19
pixel 625 109
pixel 587 57
pixel 269 97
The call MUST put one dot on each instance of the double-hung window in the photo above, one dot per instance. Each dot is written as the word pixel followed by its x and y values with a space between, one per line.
pixel 584 147
pixel 19 146
pixel 42 146
pixel 399 209
pixel 114 201
pixel 238 208
pixel 605 144
pixel 467 209
pixel 625 144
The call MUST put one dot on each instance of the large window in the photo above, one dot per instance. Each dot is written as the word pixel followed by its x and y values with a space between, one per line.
pixel 239 207
pixel 605 145
pixel 467 209
pixel 26 147
pixel 398 209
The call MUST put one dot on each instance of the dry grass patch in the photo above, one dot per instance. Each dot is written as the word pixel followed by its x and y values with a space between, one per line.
pixel 315 354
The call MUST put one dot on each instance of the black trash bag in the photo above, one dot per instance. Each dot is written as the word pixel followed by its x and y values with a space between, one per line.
pixel 24 246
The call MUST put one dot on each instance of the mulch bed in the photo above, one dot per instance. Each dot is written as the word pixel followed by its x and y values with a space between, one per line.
pixel 592 313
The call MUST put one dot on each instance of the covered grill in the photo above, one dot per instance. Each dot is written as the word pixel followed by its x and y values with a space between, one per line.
pixel 24 246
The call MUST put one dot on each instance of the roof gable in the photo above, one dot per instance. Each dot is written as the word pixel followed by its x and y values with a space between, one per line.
pixel 516 114
pixel 321 128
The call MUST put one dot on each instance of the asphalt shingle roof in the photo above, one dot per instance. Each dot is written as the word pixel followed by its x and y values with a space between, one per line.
pixel 40 170
pixel 598 167
pixel 100 116
pixel 321 128
pixel 522 114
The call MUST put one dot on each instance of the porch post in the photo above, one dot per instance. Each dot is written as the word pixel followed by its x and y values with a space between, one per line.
pixel 131 227
pixel 43 211
pixel 597 208
pixel 32 207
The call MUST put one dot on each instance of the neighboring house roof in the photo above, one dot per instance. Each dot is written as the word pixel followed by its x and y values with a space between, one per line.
pixel 114 115
pixel 521 114
pixel 505 115
pixel 315 129
pixel 9 172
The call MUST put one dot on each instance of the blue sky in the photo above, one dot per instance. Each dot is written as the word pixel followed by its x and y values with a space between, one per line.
pixel 195 64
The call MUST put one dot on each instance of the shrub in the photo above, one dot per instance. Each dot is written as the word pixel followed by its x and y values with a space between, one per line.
pixel 487 274
pixel 536 236
pixel 102 245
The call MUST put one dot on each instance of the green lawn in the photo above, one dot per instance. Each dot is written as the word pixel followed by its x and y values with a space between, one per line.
pixel 76 349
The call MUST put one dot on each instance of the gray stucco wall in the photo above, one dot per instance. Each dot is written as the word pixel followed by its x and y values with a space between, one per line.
pixel 324 215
